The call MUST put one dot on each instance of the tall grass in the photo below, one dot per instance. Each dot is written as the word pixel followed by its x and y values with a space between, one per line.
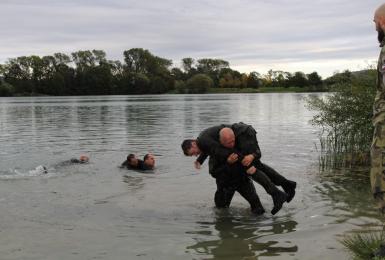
pixel 364 246
pixel 344 118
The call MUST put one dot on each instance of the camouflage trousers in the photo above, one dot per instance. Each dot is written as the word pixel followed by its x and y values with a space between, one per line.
pixel 377 171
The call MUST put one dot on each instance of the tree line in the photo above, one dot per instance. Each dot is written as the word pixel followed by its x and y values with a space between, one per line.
pixel 89 72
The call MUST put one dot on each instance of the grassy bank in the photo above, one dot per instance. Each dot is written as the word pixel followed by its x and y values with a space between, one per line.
pixel 258 90
pixel 365 246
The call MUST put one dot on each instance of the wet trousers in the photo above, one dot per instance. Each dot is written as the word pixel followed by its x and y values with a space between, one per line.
pixel 246 189
pixel 268 178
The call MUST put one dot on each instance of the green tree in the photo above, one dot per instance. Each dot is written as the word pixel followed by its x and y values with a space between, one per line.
pixel 298 80
pixel 229 80
pixel 339 78
pixel 83 59
pixel 213 68
pixel 314 79
pixel 180 87
pixel 187 65
pixel 177 74
pixel 142 61
pixel 199 83
pixel 6 90
pixel 253 80
pixel 18 73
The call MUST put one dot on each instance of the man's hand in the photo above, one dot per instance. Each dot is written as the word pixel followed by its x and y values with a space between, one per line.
pixel 232 158
pixel 247 160
pixel 251 170
pixel 197 165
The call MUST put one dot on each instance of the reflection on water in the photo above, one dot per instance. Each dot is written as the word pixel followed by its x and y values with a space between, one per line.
pixel 348 193
pixel 234 237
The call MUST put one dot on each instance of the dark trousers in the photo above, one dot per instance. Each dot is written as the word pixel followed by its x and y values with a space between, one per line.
pixel 225 193
pixel 268 178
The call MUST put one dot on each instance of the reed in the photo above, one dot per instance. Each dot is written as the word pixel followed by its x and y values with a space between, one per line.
pixel 363 246
pixel 344 118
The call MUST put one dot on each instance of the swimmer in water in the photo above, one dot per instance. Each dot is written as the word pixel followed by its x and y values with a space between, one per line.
pixel 148 162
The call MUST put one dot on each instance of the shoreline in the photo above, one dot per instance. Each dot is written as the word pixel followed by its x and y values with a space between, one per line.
pixel 210 91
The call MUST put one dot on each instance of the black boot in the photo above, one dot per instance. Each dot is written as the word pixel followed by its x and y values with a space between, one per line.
pixel 289 188
pixel 279 198
pixel 258 211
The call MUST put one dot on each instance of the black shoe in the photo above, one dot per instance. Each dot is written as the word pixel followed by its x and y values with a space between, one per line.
pixel 279 198
pixel 258 211
pixel 289 188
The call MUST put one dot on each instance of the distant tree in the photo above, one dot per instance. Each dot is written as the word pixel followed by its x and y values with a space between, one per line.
pixel 187 64
pixel 61 59
pixel 180 87
pixel 253 80
pixel 99 56
pixel 177 74
pixel 6 89
pixel 229 80
pixel 244 80
pixel 314 79
pixel 339 78
pixel 298 80
pixel 211 65
pixel 213 68
pixel 158 85
pixel 199 83
pixel 142 61
pixel 276 78
pixel 18 73
pixel 83 59
pixel 140 84
pixel 87 72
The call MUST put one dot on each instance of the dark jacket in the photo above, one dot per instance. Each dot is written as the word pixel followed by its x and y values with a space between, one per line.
pixel 139 166
pixel 226 174
pixel 245 142
pixel 208 143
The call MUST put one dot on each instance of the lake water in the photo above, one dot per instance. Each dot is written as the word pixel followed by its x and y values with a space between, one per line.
pixel 99 211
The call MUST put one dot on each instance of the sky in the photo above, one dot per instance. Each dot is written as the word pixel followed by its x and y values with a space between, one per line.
pixel 253 35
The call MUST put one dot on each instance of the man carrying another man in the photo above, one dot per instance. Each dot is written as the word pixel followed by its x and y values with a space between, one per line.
pixel 237 143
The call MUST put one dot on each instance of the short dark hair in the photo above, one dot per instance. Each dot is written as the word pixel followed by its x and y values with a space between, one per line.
pixel 130 156
pixel 146 156
pixel 186 145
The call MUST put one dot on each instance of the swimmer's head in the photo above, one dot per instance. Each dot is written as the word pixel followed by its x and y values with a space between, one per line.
pixel 41 169
pixel 130 157
pixel 84 158
pixel 149 160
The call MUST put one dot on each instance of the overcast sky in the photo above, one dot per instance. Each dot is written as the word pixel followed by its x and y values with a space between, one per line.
pixel 253 35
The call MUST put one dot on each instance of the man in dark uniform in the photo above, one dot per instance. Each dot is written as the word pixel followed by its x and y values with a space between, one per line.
pixel 229 179
pixel 244 149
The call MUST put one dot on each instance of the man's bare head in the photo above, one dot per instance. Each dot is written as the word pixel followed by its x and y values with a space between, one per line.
pixel 227 137
pixel 379 20
pixel 380 11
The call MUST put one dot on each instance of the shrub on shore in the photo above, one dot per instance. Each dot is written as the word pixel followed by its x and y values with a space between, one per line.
pixel 344 117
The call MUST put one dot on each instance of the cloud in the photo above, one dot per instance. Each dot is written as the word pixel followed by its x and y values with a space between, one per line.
pixel 249 34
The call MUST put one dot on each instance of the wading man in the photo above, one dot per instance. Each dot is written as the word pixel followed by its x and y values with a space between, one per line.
pixel 238 142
